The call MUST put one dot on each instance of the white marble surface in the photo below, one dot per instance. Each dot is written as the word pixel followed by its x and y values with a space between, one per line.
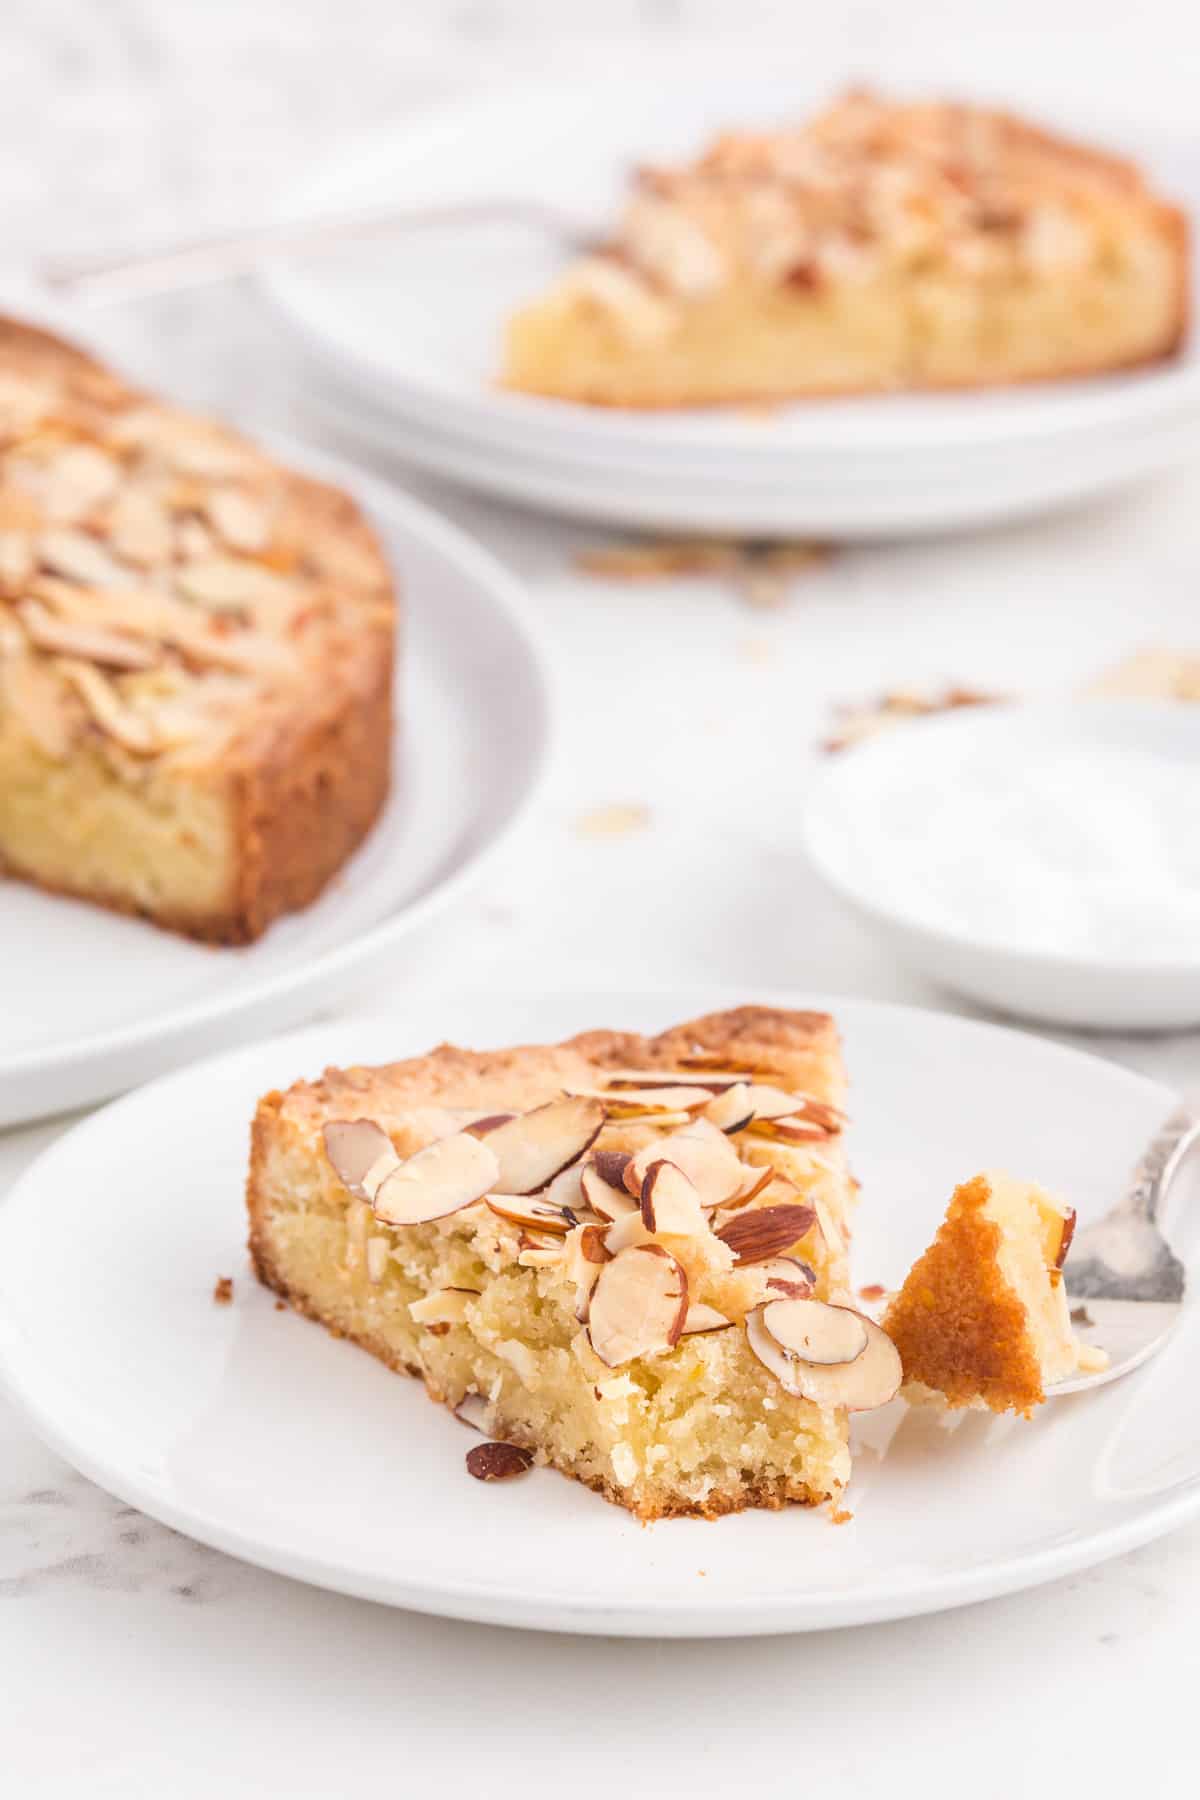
pixel 137 1663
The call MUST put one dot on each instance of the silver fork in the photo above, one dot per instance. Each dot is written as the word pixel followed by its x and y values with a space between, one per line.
pixel 1125 1283
pixel 192 264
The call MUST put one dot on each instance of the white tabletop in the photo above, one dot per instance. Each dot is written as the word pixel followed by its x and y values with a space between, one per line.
pixel 138 1663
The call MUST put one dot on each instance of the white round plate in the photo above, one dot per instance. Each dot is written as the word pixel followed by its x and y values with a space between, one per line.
pixel 861 799
pixel 255 1431
pixel 412 324
pixel 905 499
pixel 94 1002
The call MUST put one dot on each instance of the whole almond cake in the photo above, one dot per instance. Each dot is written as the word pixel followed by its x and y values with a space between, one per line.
pixel 880 245
pixel 196 656
pixel 626 1257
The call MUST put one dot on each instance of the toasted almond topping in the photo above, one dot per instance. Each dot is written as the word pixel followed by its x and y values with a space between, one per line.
pixel 108 711
pixel 659 1078
pixel 610 1165
pixel 79 557
pixel 79 479
pixel 766 1231
pixel 566 1190
pixel 604 1197
pixel 472 1410
pixel 534 1214
pixel 39 704
pixel 241 522
pixel 489 1122
pixel 591 1244
pixel 831 1231
pixel 139 528
pixel 872 1379
pixel 702 1319
pixel 378 1251
pixel 16 561
pixel 442 1306
pixel 439 1180
pixel 790 1129
pixel 815 1332
pixel 756 1182
pixel 731 1111
pixel 785 1278
pixel 704 1154
pixel 638 1305
pixel 636 1103
pixel 498 1462
pixel 535 1146
pixel 89 643
pixel 361 1152
pixel 224 584
pixel 1068 1233
pixel 670 1204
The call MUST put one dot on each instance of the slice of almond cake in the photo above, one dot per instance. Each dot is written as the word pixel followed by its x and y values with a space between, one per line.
pixel 625 1255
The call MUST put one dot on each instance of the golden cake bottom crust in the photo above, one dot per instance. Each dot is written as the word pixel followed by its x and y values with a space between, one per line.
pixel 630 1434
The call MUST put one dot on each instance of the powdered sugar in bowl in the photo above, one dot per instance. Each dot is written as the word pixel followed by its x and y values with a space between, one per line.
pixel 1042 858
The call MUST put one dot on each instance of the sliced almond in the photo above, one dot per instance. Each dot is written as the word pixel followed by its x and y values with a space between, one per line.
pixel 532 1213
pixel 39 703
pixel 626 1231
pixel 224 584
pixel 443 1306
pixel 604 1197
pixel 645 1103
pixel 670 1203
pixel 378 1250
pixel 791 1128
pixel 361 1152
pixel 872 1379
pixel 498 1462
pixel 243 523
pixel 566 1190
pixel 638 1305
pixel 756 1182
pixel 586 1255
pixel 704 1154
pixel 439 1180
pixel 139 528
pixel 79 557
pixel 831 1231
pixel 90 644
pixel 80 478
pixel 785 1278
pixel 108 710
pixel 815 1332
pixel 489 1122
pixel 535 1146
pixel 472 1410
pixel 731 1110
pixel 16 561
pixel 702 1319
pixel 659 1078
pixel 766 1231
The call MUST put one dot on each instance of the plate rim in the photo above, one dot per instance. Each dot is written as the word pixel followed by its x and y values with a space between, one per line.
pixel 1043 412
pixel 493 1604
pixel 506 595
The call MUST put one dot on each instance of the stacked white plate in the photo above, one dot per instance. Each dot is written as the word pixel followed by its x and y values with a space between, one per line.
pixel 404 336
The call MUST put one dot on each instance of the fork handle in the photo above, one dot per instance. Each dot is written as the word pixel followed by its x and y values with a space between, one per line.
pixel 1156 1171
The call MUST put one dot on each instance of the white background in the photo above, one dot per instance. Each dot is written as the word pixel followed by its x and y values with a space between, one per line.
pixel 133 1662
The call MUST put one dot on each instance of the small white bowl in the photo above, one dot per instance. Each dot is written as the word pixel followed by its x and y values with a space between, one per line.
pixel 851 836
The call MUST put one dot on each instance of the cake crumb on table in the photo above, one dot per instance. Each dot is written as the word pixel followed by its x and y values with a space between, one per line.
pixel 839 1516
pixel 612 821
pixel 223 1291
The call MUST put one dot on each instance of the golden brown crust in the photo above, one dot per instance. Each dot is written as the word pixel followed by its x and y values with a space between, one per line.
pixel 958 1325
pixel 801 1048
pixel 292 737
